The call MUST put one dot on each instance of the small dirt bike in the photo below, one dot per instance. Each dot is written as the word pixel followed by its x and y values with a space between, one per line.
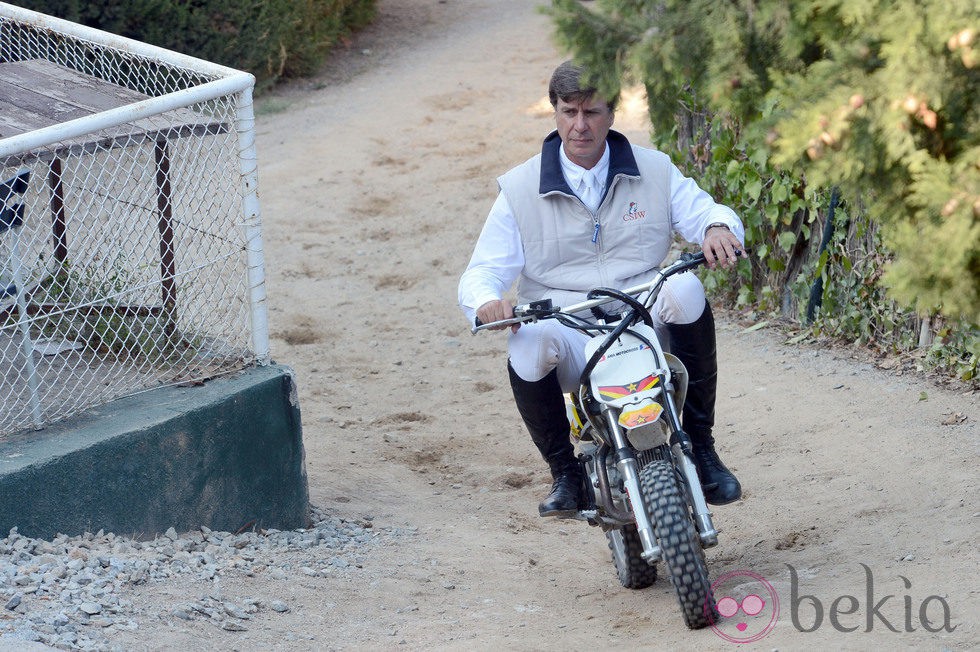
pixel 641 485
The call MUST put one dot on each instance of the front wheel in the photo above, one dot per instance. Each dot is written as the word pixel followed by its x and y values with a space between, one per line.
pixel 683 555
pixel 633 570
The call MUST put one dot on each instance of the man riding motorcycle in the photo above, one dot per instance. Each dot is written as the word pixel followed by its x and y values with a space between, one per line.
pixel 594 210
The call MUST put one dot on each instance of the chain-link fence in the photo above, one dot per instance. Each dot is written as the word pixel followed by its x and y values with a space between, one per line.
pixel 130 247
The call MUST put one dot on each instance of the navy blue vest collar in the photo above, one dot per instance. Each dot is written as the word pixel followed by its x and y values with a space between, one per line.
pixel 621 161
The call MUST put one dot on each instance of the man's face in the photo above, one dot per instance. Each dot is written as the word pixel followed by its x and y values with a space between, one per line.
pixel 583 127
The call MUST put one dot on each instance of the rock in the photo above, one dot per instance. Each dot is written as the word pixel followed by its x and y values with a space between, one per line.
pixel 91 608
pixel 235 611
pixel 58 572
pixel 78 579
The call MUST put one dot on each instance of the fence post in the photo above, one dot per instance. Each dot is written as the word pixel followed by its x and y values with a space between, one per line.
pixel 168 269
pixel 258 305
pixel 11 221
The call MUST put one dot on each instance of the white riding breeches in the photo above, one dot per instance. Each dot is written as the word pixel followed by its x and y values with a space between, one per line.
pixel 535 349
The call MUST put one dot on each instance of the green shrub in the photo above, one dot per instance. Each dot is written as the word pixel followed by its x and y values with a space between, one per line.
pixel 272 39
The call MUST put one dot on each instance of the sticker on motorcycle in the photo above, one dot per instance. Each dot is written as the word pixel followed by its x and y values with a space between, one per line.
pixel 632 417
pixel 613 392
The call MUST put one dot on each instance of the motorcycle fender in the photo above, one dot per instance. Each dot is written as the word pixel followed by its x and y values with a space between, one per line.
pixel 629 371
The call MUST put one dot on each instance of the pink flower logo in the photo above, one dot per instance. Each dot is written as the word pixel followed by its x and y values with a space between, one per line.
pixel 746 607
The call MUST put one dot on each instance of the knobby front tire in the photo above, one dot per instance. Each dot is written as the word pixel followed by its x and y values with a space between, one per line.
pixel 683 555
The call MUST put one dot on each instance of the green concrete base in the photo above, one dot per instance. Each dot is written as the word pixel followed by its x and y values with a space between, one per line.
pixel 227 454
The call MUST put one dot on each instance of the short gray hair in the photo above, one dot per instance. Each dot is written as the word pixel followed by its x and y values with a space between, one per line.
pixel 565 85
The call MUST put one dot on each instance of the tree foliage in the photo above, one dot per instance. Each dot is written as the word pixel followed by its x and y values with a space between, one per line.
pixel 773 104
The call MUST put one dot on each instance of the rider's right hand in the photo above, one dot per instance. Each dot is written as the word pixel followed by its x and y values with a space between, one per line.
pixel 496 311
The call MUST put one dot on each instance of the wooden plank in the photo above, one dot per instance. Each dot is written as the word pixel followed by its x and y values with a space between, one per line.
pixel 35 109
pixel 14 121
pixel 35 94
pixel 65 85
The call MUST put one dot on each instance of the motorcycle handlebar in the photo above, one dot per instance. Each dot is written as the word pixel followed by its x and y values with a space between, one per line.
pixel 685 262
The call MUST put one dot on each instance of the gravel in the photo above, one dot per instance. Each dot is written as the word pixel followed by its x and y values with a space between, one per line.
pixel 66 593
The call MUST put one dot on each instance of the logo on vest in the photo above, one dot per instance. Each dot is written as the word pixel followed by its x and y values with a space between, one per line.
pixel 633 213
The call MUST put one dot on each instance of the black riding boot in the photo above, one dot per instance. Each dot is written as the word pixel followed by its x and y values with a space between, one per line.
pixel 694 345
pixel 542 407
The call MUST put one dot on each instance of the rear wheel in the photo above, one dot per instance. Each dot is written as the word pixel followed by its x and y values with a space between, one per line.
pixel 633 571
pixel 678 539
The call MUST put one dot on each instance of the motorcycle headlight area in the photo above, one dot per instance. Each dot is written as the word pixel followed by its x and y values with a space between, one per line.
pixel 643 425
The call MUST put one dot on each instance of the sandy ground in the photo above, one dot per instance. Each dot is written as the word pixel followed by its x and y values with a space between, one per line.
pixel 375 180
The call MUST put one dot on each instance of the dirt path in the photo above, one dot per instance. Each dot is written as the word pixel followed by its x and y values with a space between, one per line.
pixel 375 181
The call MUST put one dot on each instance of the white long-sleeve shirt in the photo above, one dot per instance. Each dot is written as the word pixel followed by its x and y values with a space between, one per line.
pixel 498 257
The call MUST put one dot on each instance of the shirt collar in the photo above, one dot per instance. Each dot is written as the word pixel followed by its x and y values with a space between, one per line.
pixel 574 172
pixel 621 162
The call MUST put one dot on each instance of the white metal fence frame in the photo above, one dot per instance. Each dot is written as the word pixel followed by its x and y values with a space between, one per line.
pixel 224 82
